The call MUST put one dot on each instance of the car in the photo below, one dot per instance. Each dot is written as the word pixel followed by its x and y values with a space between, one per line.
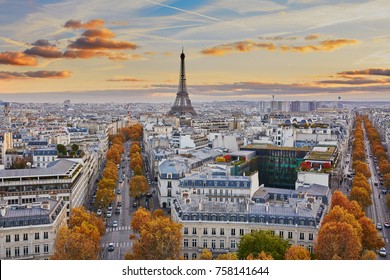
pixel 115 224
pixel 99 212
pixel 119 204
pixel 384 191
pixel 118 191
pixel 110 247
pixel 109 214
pixel 117 211
pixel 135 205
pixel 378 226
pixel 386 224
pixel 382 252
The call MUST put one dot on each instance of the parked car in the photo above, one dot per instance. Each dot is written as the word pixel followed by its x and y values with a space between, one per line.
pixel 110 207
pixel 386 224
pixel 115 224
pixel 382 252
pixel 119 204
pixel 135 205
pixel 110 247
pixel 109 214
pixel 384 191
pixel 99 212
pixel 117 211
pixel 118 191
pixel 378 226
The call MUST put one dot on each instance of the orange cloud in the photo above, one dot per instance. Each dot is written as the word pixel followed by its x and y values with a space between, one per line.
pixel 17 58
pixel 44 49
pixel 128 79
pixel 77 24
pixel 102 33
pixel 243 46
pixel 149 53
pixel 329 45
pixel 100 43
pixel 370 71
pixel 5 75
pixel 312 37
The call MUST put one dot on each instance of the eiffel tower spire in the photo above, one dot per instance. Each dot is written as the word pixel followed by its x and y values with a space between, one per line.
pixel 182 105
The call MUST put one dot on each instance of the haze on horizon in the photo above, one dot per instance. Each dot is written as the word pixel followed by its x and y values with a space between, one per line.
pixel 235 50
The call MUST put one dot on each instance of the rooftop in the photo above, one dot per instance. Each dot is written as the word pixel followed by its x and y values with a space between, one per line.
pixel 321 153
pixel 271 147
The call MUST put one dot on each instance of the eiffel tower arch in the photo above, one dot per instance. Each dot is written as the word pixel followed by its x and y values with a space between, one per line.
pixel 182 105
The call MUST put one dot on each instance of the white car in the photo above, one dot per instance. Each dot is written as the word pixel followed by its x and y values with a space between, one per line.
pixel 115 224
pixel 99 212
pixel 382 252
pixel 109 214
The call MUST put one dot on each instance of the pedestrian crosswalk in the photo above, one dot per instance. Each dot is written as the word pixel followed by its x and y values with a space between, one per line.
pixel 117 228
pixel 118 244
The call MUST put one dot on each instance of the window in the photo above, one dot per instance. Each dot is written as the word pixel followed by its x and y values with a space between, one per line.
pixel 233 244
pixel 213 243
pixel 204 230
pixel 290 235
pixel 8 252
pixel 25 250
pixel 169 193
pixel 204 243
pixel 186 230
pixel 185 256
pixel 233 232
pixel 46 248
pixel 36 235
pixel 310 236
pixel 16 237
pixel 194 256
pixel 25 236
pixel 45 235
pixel 213 231
pixel 37 249
pixel 194 243
pixel 310 248
pixel 222 231
pixel 17 252
pixel 194 230
pixel 185 243
pixel 169 184
pixel 272 232
pixel 281 234
pixel 222 244
pixel 241 232
pixel 8 238
pixel 301 236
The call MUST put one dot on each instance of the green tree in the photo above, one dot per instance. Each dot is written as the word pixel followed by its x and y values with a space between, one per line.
pixel 262 241
pixel 61 150
pixel 75 147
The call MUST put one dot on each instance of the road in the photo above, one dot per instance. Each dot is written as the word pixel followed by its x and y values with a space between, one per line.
pixel 119 235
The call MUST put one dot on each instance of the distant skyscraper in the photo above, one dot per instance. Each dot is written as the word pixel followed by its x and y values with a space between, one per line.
pixel 182 105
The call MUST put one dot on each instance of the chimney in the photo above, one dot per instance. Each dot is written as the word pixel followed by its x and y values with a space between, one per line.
pixel 266 207
pixel 3 210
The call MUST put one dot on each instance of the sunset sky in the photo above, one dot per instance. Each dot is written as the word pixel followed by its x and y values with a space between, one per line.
pixel 129 51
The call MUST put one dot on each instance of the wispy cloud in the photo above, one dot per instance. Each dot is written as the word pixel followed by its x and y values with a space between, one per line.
pixel 370 71
pixel 127 79
pixel 5 75
pixel 312 37
pixel 17 58
pixel 77 24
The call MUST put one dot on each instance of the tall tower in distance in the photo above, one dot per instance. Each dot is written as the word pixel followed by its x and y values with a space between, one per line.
pixel 182 105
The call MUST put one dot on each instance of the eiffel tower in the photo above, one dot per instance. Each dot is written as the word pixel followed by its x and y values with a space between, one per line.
pixel 182 105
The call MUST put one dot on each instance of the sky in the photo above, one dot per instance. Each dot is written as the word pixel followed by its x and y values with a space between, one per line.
pixel 129 51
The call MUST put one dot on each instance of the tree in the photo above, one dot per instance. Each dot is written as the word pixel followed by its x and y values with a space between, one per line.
pixel 19 163
pixel 386 180
pixel 369 255
pixel 261 256
pixel 305 166
pixel 362 197
pixel 337 240
pixel 75 147
pixel 138 185
pixel 78 215
pixel 206 255
pixel 338 214
pixel 159 239
pixel 104 197
pixel 388 200
pixel 296 252
pixel 259 241
pixel 135 149
pixel 137 170
pixel 61 150
pixel 105 183
pixel 339 199
pixel 140 217
pixel 362 167
pixel 370 240
pixel 111 171
pixel 227 256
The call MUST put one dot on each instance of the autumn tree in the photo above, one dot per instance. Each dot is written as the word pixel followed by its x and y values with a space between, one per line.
pixel 104 197
pixel 206 255
pixel 140 217
pixel 369 255
pixel 258 241
pixel 296 252
pixel 386 180
pixel 388 200
pixel 19 163
pixel 138 185
pixel 135 148
pixel 337 240
pixel 227 256
pixel 361 196
pixel 260 256
pixel 78 215
pixel 111 170
pixel 361 167
pixel 105 183
pixel 371 240
pixel 159 239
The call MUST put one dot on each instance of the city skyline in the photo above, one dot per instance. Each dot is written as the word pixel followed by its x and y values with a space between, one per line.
pixel 294 50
